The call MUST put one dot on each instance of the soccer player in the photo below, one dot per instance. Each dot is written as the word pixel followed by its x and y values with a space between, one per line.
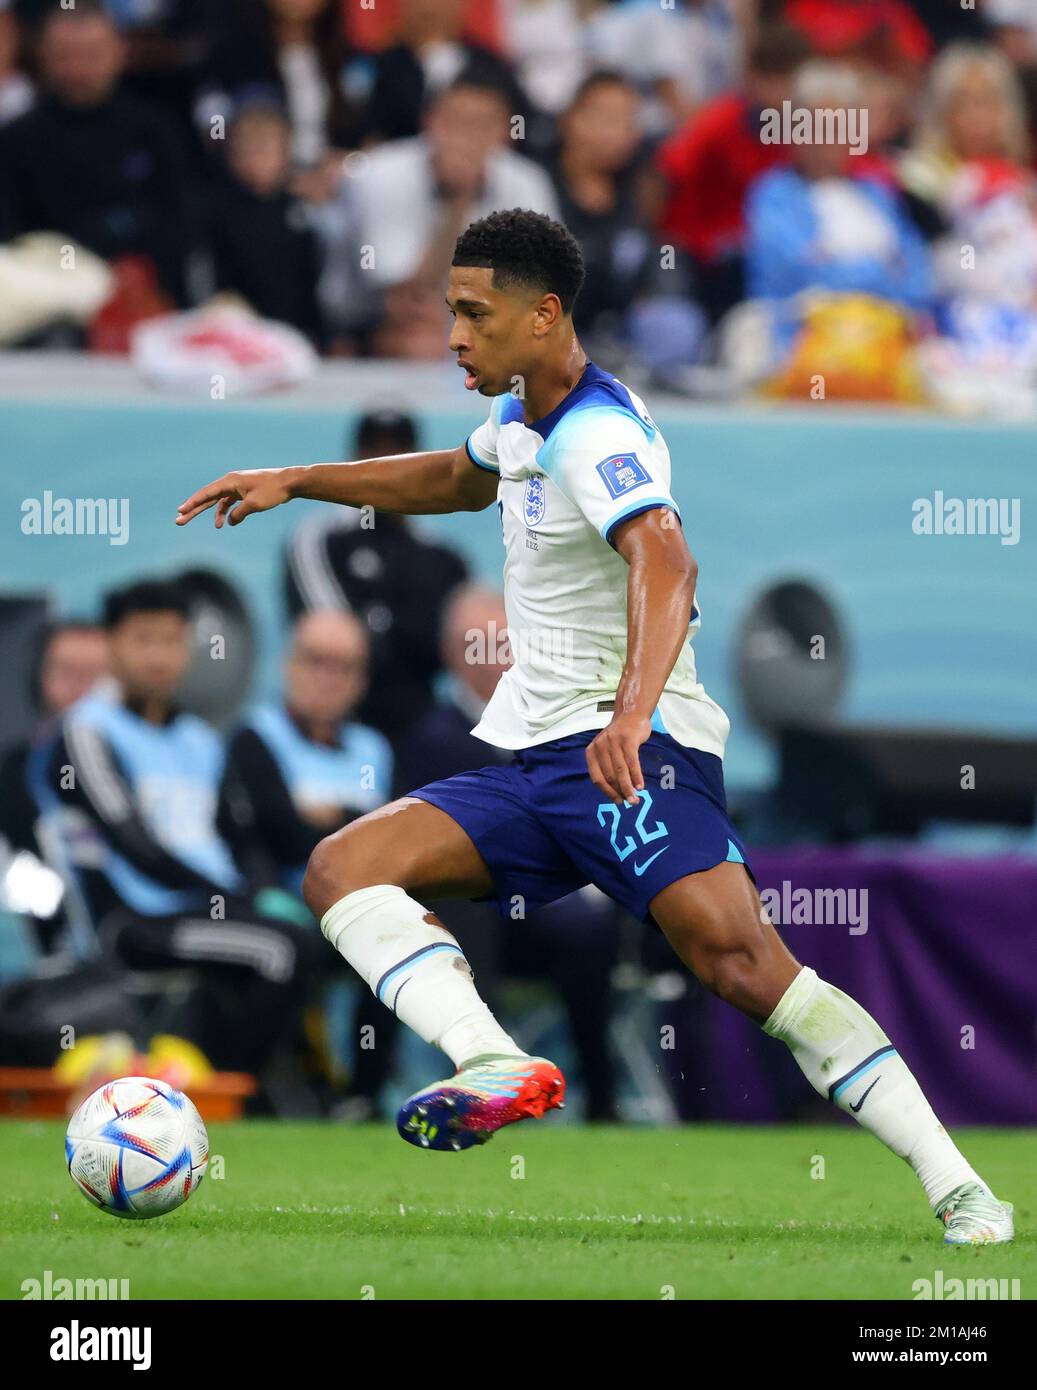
pixel 617 777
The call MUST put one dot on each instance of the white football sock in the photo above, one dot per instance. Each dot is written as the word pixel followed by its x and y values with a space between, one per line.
pixel 416 969
pixel 846 1057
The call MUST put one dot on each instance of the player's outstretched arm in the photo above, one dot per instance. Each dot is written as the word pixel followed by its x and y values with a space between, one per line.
pixel 443 480
pixel 660 593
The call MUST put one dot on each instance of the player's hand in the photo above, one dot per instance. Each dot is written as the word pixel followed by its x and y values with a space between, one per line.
pixel 613 760
pixel 237 495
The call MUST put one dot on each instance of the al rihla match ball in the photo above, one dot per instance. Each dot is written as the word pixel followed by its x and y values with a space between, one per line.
pixel 136 1147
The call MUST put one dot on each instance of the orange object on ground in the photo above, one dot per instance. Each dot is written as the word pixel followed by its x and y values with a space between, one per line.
pixel 35 1093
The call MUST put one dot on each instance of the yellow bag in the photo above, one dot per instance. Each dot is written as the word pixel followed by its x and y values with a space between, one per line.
pixel 851 347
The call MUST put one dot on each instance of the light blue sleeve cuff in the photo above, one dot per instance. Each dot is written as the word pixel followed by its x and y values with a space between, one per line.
pixel 645 504
pixel 479 463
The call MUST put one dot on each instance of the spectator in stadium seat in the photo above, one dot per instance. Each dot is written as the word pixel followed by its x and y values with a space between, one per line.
pixel 134 781
pixel 92 163
pixel 546 42
pixel 821 225
pixel 167 53
pixel 71 658
pixel 711 162
pixel 289 53
pixel 263 245
pixel 678 54
pixel 973 114
pixel 395 581
pixel 16 90
pixel 414 197
pixel 970 169
pixel 303 767
pixel 573 942
pixel 606 193
pixel 429 55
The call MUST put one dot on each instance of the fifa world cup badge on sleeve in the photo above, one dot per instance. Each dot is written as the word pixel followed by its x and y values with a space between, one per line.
pixel 622 473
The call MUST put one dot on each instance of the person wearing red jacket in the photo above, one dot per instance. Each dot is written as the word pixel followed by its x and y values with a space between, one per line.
pixel 885 31
pixel 712 160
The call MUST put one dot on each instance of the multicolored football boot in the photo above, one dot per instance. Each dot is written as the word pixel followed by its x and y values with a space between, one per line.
pixel 974 1216
pixel 485 1094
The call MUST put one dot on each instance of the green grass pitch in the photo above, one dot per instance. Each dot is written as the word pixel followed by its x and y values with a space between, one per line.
pixel 543 1211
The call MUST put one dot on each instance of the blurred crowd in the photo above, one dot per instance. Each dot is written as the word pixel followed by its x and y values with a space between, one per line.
pixel 316 159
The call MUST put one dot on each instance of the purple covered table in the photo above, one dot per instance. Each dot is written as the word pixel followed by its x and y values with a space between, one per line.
pixel 942 951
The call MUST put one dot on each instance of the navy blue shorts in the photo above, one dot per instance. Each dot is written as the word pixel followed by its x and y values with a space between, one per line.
pixel 544 829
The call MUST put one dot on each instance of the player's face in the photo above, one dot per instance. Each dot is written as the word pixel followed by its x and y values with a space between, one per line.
pixel 496 333
pixel 150 653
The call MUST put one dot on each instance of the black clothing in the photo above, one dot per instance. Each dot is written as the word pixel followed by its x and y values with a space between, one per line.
pixel 264 250
pixel 397 583
pixel 113 177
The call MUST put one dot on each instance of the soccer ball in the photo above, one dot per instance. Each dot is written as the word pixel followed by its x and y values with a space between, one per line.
pixel 136 1147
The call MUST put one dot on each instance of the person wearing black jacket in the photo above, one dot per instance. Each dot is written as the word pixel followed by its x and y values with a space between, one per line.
pixel 70 658
pixel 89 162
pixel 374 565
pixel 263 246
pixel 430 53
pixel 290 52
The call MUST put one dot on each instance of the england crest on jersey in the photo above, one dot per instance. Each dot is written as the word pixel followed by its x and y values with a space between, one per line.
pixel 533 508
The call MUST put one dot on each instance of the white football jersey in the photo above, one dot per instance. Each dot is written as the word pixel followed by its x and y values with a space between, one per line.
pixel 566 482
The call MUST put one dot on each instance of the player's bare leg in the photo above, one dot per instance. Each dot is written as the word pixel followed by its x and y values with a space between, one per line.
pixel 717 925
pixel 359 884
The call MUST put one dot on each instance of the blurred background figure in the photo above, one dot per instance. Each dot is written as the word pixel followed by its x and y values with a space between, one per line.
pixel 72 658
pixel 301 768
pixel 102 168
pixel 289 53
pixel 821 226
pixel 679 55
pixel 132 783
pixel 168 45
pixel 608 197
pixel 263 245
pixel 414 196
pixel 379 567
pixel 429 53
pixel 972 183
pixel 296 770
pixel 545 40
pixel 711 161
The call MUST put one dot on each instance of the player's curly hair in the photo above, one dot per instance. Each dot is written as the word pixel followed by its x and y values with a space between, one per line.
pixel 524 248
